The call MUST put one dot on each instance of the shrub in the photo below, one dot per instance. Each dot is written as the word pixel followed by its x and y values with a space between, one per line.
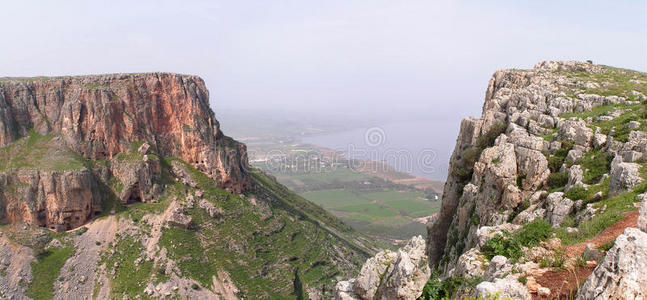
pixel 510 245
pixel 576 193
pixel 596 164
pixel 436 289
pixel 557 180
pixel 555 163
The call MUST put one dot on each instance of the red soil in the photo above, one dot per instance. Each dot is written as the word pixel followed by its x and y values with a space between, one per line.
pixel 563 284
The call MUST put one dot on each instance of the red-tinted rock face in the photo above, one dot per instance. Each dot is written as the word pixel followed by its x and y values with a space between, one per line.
pixel 59 200
pixel 100 116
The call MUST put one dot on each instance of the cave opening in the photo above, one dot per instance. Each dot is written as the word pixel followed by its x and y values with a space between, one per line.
pixel 135 195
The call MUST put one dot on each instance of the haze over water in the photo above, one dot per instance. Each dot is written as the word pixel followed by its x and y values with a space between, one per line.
pixel 421 148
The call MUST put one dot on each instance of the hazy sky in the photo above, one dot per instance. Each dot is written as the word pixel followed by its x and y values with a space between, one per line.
pixel 405 58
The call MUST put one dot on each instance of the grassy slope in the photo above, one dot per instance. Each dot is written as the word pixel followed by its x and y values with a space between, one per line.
pixel 262 255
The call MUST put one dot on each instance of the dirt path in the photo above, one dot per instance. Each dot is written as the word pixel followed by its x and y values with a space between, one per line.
pixel 610 233
pixel 563 284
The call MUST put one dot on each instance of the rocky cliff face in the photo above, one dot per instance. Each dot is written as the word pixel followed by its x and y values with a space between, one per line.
pixel 505 157
pixel 100 116
pixel 558 154
pixel 181 216
pixel 52 128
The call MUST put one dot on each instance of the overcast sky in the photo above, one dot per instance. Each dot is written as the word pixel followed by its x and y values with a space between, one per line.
pixel 404 58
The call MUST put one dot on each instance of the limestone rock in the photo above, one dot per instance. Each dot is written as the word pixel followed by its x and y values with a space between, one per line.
pixel 586 214
pixel 558 208
pixel 624 176
pixel 470 264
pixel 59 200
pixel 212 210
pixel 138 178
pixel 143 149
pixel 485 233
pixel 622 274
pixel 498 268
pixel 642 219
pixel 504 287
pixel 575 175
pixel 176 216
pixel 181 172
pixel 390 275
pixel 100 116
pixel 592 253
pixel 633 125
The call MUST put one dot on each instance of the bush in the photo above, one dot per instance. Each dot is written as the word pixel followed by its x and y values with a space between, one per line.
pixel 576 193
pixel 510 245
pixel 596 164
pixel 557 180
pixel 436 289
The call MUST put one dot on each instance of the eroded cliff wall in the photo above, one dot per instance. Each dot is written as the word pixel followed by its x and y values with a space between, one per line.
pixel 50 128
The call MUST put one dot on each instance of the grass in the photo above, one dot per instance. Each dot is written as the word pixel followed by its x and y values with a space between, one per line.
pixel 39 151
pixel 388 213
pixel 185 249
pixel 129 278
pixel 595 164
pixel 509 245
pixel 45 270
pixel 616 207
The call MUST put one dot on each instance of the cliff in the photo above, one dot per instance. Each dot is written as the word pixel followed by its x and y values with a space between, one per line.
pixel 564 144
pixel 542 192
pixel 149 199
pixel 100 116
pixel 52 127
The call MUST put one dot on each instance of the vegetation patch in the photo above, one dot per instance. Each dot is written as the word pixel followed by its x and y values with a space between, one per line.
pixel 509 245
pixel 45 270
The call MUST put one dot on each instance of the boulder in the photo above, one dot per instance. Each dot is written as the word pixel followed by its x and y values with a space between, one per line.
pixel 622 274
pixel 642 218
pixel 592 253
pixel 176 216
pixel 182 173
pixel 586 214
pixel 575 175
pixel 390 275
pixel 143 149
pixel 485 233
pixel 599 140
pixel 498 268
pixel 633 125
pixel 624 176
pixel 470 264
pixel 558 208
pixel 506 287
pixel 212 210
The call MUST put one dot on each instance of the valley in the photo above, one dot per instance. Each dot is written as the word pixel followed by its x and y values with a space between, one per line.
pixel 370 196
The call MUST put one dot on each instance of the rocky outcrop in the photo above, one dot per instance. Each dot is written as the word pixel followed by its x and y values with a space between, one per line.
pixel 389 275
pixel 623 272
pixel 642 218
pixel 508 287
pixel 59 200
pixel 100 116
pixel 558 208
pixel 529 140
pixel 54 127
pixel 624 176
pixel 138 178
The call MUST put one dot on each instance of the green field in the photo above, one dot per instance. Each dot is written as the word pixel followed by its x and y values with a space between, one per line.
pixel 387 213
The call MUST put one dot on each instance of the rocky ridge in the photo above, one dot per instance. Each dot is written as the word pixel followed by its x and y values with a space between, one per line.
pixel 558 154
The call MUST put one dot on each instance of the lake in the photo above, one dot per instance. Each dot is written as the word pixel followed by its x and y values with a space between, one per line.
pixel 421 148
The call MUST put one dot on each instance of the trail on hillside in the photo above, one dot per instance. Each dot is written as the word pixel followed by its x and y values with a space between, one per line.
pixel 563 284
